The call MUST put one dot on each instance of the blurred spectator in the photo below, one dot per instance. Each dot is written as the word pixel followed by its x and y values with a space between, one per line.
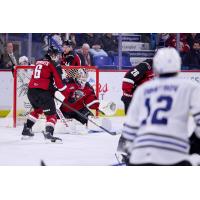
pixel 73 39
pixel 78 39
pixel 85 55
pixel 1 45
pixel 23 61
pixel 57 38
pixel 95 42
pixel 192 58
pixel 171 42
pixel 145 37
pixel 161 39
pixel 69 56
pixel 109 43
pixel 9 58
pixel 191 37
pixel 46 39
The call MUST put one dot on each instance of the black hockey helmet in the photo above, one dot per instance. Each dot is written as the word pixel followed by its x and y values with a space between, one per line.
pixel 68 43
pixel 51 53
pixel 52 50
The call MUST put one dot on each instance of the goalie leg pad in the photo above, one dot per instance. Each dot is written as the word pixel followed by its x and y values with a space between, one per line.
pixel 104 122
pixel 76 128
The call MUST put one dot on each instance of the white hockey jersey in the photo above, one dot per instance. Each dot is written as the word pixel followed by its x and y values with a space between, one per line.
pixel 157 120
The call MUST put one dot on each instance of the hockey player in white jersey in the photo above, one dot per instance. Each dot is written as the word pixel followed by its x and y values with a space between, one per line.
pixel 155 129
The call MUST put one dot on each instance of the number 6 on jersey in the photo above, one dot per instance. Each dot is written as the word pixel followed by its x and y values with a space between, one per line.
pixel 37 72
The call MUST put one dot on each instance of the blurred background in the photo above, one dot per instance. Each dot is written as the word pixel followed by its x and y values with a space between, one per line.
pixel 104 50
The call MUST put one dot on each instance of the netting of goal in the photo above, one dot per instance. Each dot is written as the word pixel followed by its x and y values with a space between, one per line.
pixel 22 74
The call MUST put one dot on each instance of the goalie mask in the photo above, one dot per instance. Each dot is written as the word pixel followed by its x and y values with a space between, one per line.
pixel 81 78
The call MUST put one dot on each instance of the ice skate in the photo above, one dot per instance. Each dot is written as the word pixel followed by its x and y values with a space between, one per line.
pixel 49 137
pixel 26 133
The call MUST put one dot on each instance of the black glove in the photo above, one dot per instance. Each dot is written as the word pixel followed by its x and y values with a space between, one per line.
pixel 78 94
pixel 69 58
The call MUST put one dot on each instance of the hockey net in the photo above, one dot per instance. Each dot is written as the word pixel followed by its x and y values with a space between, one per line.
pixel 22 75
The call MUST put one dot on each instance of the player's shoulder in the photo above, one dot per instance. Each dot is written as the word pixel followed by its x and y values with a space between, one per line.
pixel 177 80
pixel 44 62
pixel 145 65
pixel 187 82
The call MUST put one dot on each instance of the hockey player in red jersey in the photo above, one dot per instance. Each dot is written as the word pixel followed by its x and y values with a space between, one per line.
pixel 81 96
pixel 69 56
pixel 133 78
pixel 40 97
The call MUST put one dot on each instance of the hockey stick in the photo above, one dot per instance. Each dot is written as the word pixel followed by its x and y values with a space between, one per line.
pixel 61 98
pixel 119 164
pixel 84 117
pixel 62 118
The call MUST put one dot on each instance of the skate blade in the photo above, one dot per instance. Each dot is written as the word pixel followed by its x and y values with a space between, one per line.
pixel 25 137
pixel 49 141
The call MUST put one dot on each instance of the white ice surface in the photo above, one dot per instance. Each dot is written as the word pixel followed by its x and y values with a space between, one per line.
pixel 93 149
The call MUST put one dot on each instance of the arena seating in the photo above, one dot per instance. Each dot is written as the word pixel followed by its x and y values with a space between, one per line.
pixel 102 61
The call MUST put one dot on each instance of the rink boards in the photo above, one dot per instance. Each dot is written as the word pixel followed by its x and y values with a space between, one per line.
pixel 110 88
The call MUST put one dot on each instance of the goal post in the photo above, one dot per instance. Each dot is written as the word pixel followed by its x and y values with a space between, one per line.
pixel 22 74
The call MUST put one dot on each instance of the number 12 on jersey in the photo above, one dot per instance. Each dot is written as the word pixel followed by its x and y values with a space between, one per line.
pixel 154 113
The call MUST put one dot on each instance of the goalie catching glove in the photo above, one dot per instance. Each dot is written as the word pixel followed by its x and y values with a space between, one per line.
pixel 107 108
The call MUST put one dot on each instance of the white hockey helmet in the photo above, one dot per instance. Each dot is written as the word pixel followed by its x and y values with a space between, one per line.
pixel 23 60
pixel 82 76
pixel 166 60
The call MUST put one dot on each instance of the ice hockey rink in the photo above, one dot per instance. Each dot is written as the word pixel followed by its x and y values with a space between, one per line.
pixel 93 149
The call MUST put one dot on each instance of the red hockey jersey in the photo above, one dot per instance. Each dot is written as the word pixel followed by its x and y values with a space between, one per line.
pixel 44 75
pixel 135 77
pixel 71 59
pixel 79 97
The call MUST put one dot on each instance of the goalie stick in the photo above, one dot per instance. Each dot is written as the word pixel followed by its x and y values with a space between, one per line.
pixel 83 116
pixel 61 116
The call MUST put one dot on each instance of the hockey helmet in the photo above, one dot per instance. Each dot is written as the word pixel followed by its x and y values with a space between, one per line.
pixel 23 60
pixel 82 76
pixel 52 50
pixel 68 43
pixel 52 54
pixel 166 60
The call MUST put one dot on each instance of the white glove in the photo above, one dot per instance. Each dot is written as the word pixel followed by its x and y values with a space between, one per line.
pixel 108 108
